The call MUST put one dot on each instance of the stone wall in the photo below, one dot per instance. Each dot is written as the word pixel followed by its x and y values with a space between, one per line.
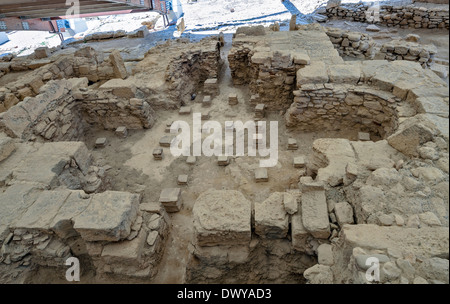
pixel 403 16
pixel 85 62
pixel 117 103
pixel 337 107
pixel 53 114
pixel 352 44
pixel 187 72
pixel 404 50
pixel 270 74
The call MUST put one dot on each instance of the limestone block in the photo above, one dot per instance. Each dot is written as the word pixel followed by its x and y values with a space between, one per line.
pixel 315 214
pixel 316 72
pixel 42 52
pixel 108 217
pixel 344 73
pixel 271 219
pixel 261 175
pixel 222 218
pixel 412 133
pixel 119 68
pixel 171 199
pixel 122 88
pixel 344 213
pixel 325 255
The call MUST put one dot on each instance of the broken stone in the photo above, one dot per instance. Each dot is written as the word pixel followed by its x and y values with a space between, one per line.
pixel 101 142
pixel 108 217
pixel 372 28
pixel 290 203
pixel 152 236
pixel 325 255
pixel 271 219
pixel 344 213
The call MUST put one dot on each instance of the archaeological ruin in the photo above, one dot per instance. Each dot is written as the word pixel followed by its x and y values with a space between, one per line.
pixel 86 169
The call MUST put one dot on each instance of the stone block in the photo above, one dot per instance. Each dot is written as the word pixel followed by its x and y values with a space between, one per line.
pixel 315 214
pixel 271 219
pixel 299 162
pixel 261 175
pixel 120 71
pixel 121 132
pixel 222 217
pixel 362 136
pixel 233 99
pixel 316 73
pixel 191 160
pixel 292 144
pixel 182 180
pixel 42 52
pixel 223 160
pixel 171 199
pixel 206 101
pixel 108 217
pixel 344 213
pixel 166 141
pixel 185 111
pixel 158 154
pixel 101 142
pixel 122 88
pixel 298 233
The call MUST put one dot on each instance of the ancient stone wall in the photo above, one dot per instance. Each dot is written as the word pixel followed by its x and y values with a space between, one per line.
pixel 187 72
pixel 269 74
pixel 53 115
pixel 403 16
pixel 404 50
pixel 338 107
pixel 85 62
pixel 352 44
pixel 116 103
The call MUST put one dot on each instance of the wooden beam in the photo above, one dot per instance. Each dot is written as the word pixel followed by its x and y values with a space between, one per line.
pixel 55 12
pixel 44 5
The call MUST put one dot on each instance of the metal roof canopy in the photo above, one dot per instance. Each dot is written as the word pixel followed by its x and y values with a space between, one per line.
pixel 31 9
